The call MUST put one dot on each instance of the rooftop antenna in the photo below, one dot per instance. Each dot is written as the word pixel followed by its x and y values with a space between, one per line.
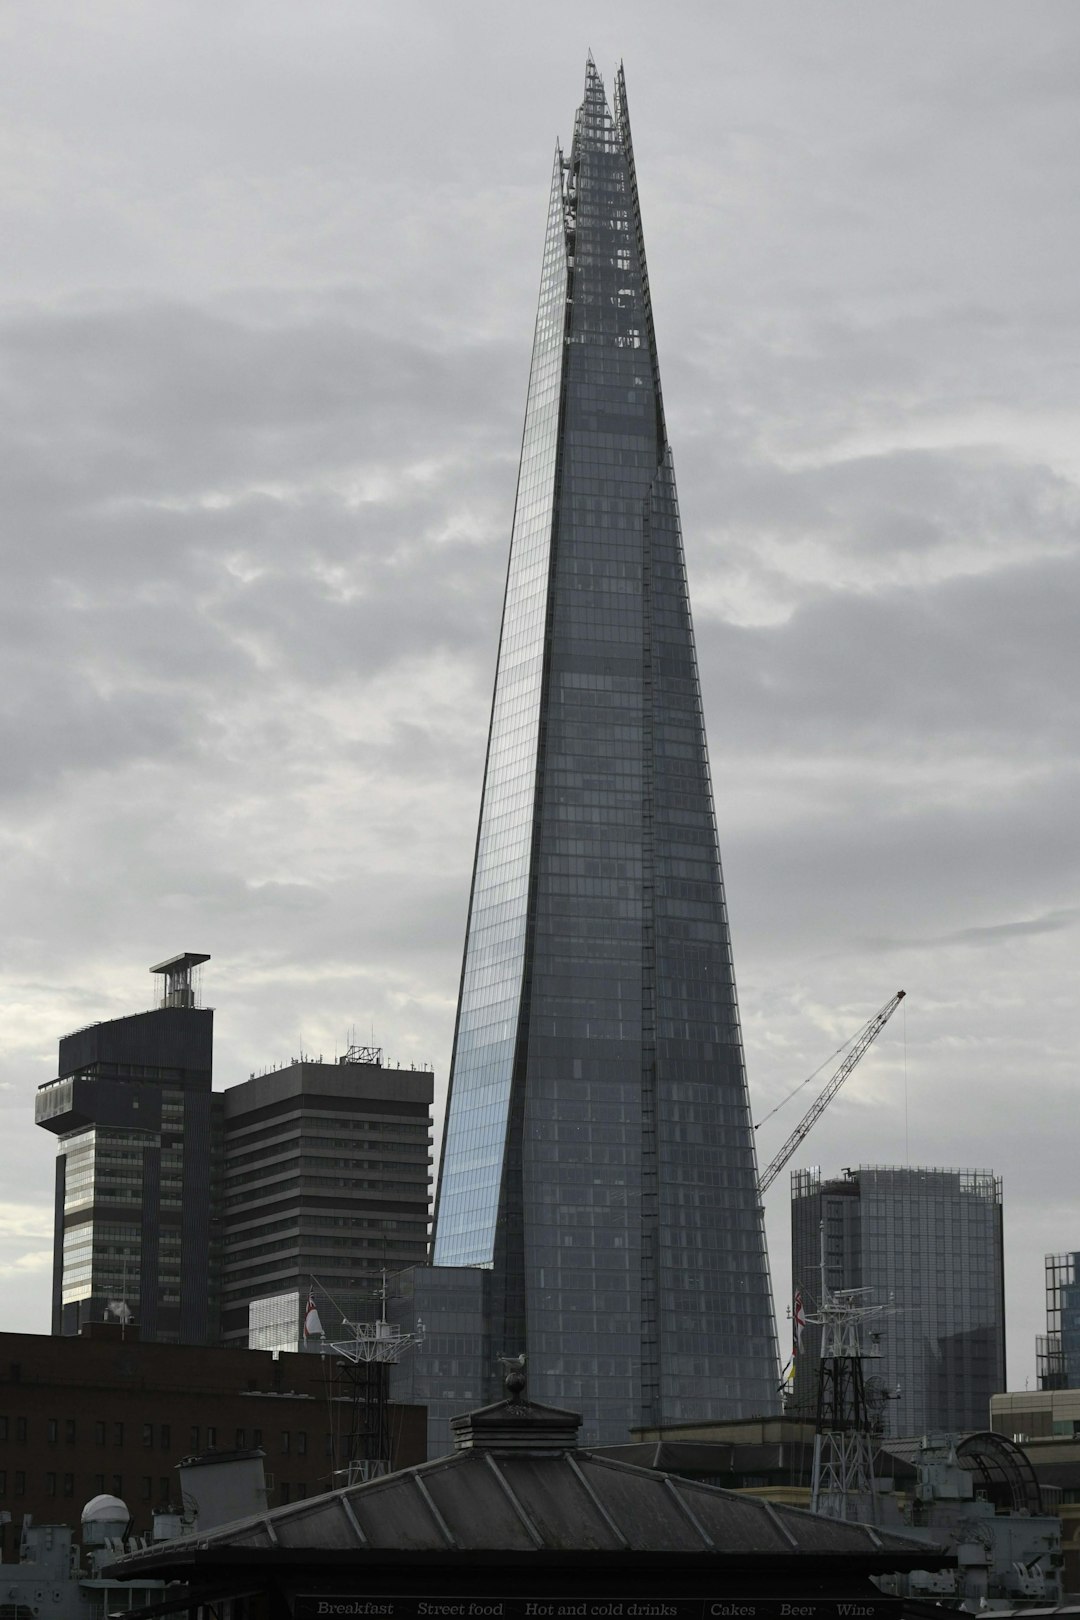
pixel 848 1414
pixel 364 1360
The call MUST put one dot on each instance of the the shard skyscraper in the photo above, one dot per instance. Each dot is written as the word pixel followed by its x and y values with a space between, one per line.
pixel 598 1154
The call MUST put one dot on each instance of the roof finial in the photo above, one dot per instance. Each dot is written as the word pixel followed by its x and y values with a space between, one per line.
pixel 515 1377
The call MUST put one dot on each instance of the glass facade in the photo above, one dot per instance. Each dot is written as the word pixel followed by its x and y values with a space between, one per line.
pixel 136 1215
pixel 598 1154
pixel 928 1242
pixel 1058 1352
pixel 448 1308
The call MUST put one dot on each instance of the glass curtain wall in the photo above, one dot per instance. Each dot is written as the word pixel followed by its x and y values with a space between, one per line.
pixel 598 1152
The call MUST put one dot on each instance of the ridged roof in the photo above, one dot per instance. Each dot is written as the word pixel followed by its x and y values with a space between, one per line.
pixel 514 1485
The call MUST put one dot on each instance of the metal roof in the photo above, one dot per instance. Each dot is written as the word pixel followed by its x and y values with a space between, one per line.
pixel 497 1493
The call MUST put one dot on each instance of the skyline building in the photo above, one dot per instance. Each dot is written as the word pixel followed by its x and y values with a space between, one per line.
pixel 598 1151
pixel 928 1243
pixel 179 1209
pixel 1057 1352
pixel 327 1181
pixel 137 1165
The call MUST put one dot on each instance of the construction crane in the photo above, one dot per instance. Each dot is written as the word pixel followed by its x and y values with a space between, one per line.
pixel 866 1037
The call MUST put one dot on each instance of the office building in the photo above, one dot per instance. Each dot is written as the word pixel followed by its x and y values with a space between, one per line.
pixel 138 1136
pixel 927 1244
pixel 326 1184
pixel 598 1153
pixel 1057 1353
pixel 104 1412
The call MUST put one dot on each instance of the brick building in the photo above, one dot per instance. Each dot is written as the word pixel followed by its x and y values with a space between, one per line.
pixel 106 1412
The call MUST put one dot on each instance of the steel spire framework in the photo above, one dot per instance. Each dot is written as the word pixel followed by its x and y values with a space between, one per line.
pixel 598 1152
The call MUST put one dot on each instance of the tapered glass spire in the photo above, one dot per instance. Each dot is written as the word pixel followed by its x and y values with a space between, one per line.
pixel 598 1153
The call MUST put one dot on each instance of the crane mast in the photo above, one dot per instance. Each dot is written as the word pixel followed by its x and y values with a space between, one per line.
pixel 866 1037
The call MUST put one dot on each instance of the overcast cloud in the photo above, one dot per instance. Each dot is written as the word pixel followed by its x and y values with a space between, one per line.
pixel 268 294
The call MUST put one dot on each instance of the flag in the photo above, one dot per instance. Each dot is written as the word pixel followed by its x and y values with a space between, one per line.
pixel 798 1320
pixel 312 1326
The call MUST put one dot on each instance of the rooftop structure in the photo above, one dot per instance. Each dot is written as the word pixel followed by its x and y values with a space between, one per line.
pixel 519 1514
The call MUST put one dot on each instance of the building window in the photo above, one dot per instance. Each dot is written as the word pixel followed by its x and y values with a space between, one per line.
pixel 285 1440
pixel 301 1442
pixel 194 1437
pixel 256 1437
pixel 284 1491
pixel 211 1436
pixel 52 1431
pixel 20 1428
pixel 118 1484
pixel 20 1482
pixel 163 1486
pixel 50 1484
pixel 69 1484
pixel 118 1434
pixel 165 1437
pixel 99 1484
pixel 69 1431
pixel 241 1439
pixel 146 1489
pixel 99 1433
pixel 148 1434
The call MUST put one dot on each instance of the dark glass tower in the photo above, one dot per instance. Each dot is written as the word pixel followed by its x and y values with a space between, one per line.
pixel 598 1154
pixel 138 1163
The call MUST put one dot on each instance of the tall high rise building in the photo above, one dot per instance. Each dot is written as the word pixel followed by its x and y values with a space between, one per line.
pixel 327 1178
pixel 138 1136
pixel 928 1243
pixel 598 1152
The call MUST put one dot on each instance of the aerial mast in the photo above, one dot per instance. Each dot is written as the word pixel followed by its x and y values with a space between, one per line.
pixel 365 1360
pixel 848 1414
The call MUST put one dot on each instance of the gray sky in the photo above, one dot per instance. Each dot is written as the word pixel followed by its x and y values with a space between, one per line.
pixel 269 284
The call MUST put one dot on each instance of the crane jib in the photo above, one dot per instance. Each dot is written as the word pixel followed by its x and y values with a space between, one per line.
pixel 869 1035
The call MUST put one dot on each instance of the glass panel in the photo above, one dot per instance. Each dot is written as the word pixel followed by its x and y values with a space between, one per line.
pixel 599 1153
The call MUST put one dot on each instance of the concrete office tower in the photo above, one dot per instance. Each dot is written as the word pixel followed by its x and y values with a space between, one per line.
pixel 327 1176
pixel 598 1151
pixel 929 1242
pixel 139 1130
